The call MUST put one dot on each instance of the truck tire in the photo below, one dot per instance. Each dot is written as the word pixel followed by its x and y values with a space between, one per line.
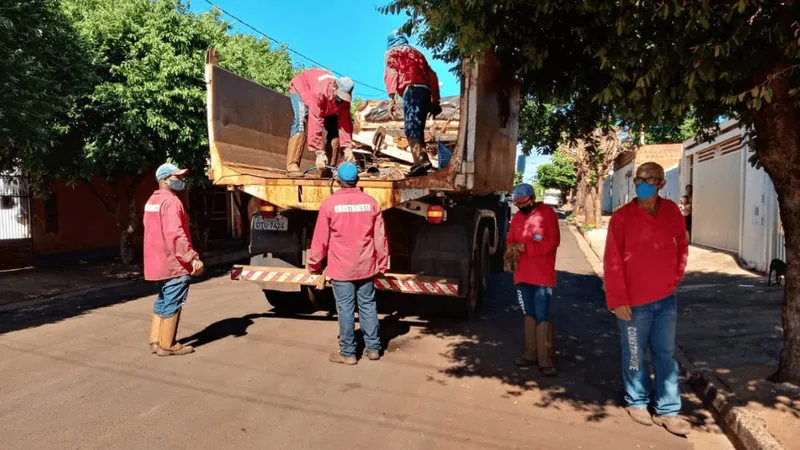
pixel 479 275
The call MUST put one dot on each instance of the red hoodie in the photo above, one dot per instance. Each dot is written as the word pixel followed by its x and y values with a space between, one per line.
pixel 168 251
pixel 351 234
pixel 405 66
pixel 540 233
pixel 645 256
pixel 315 87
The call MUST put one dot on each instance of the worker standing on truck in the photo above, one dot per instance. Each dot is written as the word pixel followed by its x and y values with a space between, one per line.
pixel 169 259
pixel 350 233
pixel 323 101
pixel 408 74
pixel 533 239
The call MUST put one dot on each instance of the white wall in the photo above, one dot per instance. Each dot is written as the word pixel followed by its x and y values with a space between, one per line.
pixel 717 199
pixel 622 186
pixel 757 219
pixel 672 190
pixel 607 203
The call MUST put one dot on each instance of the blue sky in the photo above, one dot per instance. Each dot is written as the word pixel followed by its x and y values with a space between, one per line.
pixel 345 36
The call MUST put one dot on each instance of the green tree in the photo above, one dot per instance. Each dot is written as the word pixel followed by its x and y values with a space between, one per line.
pixel 643 63
pixel 43 69
pixel 517 178
pixel 560 173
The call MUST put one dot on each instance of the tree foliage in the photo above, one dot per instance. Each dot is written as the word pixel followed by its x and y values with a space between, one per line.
pixel 560 173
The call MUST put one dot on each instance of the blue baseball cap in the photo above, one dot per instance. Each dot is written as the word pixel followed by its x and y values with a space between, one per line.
pixel 347 172
pixel 521 191
pixel 166 170
pixel 345 88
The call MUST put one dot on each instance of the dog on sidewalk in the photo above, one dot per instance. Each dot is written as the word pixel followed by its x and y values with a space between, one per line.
pixel 779 267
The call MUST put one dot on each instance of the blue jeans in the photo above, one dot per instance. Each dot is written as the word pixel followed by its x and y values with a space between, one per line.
pixel 300 112
pixel 416 107
pixel 651 325
pixel 347 294
pixel 172 296
pixel 535 301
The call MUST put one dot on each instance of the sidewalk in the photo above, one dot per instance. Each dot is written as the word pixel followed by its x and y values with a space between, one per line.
pixel 730 330
pixel 35 284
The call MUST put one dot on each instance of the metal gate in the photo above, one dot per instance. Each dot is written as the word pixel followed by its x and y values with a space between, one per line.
pixel 16 240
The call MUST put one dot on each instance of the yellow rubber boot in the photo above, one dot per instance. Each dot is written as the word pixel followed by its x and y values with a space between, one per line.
pixel 544 349
pixel 167 346
pixel 155 329
pixel 294 155
pixel 529 357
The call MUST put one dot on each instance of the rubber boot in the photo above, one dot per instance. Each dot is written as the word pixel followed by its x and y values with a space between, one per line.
pixel 155 329
pixel 294 155
pixel 544 348
pixel 166 339
pixel 422 163
pixel 529 357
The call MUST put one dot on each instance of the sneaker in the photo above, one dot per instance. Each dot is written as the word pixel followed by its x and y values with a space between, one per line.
pixel 338 358
pixel 673 424
pixel 640 416
pixel 373 355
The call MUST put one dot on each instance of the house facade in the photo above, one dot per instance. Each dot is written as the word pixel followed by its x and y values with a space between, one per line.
pixel 619 188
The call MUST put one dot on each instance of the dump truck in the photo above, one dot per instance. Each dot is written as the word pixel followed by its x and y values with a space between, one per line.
pixel 446 230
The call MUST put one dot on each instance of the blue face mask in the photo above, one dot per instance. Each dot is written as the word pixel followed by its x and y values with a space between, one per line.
pixel 176 185
pixel 645 191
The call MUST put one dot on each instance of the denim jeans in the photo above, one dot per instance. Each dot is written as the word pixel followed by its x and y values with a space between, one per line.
pixel 300 112
pixel 416 107
pixel 651 326
pixel 348 294
pixel 535 301
pixel 171 296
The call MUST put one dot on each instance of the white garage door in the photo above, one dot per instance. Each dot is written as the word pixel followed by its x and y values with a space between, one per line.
pixel 717 196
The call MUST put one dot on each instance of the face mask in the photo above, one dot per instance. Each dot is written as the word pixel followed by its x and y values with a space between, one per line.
pixel 525 208
pixel 176 185
pixel 645 191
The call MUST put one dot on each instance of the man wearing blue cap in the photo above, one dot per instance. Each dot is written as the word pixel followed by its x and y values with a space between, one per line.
pixel 323 101
pixel 351 234
pixel 169 259
pixel 533 239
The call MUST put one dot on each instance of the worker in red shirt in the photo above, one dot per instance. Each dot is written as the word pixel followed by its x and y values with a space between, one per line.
pixel 323 101
pixel 350 234
pixel 169 259
pixel 533 239
pixel 408 75
pixel 645 259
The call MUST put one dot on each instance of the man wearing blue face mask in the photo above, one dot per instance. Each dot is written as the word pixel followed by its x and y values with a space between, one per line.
pixel 645 259
pixel 169 259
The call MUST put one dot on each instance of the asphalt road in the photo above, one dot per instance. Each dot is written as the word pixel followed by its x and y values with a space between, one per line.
pixel 78 375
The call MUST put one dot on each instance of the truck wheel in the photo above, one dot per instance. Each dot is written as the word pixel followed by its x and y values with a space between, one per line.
pixel 292 302
pixel 479 275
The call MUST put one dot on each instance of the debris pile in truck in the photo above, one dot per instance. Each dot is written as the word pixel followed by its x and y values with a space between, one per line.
pixel 381 140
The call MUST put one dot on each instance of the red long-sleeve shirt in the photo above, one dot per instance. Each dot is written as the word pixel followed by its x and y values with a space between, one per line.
pixel 405 66
pixel 168 251
pixel 351 234
pixel 645 256
pixel 541 234
pixel 315 87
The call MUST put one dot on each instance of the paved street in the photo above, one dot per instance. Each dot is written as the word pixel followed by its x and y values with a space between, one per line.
pixel 78 375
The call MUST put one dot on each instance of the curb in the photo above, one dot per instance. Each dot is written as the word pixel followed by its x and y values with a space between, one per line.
pixel 211 262
pixel 744 429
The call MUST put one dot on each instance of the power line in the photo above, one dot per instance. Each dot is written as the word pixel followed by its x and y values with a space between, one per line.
pixel 382 91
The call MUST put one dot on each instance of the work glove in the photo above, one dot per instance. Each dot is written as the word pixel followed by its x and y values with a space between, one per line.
pixel 436 109
pixel 348 155
pixel 197 268
pixel 322 160
pixel 393 110
pixel 511 257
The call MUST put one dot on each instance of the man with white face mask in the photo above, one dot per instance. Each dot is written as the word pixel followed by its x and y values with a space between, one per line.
pixel 169 259
pixel 645 259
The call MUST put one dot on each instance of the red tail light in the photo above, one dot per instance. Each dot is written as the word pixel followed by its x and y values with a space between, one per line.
pixel 435 214
pixel 266 210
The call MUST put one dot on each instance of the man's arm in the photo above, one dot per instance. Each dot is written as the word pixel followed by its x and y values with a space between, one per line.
pixel 381 242
pixel 613 268
pixel 433 83
pixel 319 244
pixel 173 218
pixel 683 246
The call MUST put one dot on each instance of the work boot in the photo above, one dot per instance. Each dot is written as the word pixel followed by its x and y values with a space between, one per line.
pixel 155 329
pixel 338 358
pixel 167 346
pixel 544 348
pixel 529 357
pixel 422 162
pixel 373 355
pixel 294 155
pixel 640 416
pixel 673 424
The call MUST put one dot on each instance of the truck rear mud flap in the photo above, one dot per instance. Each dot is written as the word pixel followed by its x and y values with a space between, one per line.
pixel 395 282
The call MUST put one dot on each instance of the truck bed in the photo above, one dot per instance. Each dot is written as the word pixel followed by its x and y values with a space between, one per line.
pixel 248 126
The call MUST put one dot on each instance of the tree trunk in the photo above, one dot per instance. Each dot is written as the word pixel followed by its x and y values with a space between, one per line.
pixel 131 229
pixel 777 126
pixel 579 195
pixel 590 205
pixel 598 203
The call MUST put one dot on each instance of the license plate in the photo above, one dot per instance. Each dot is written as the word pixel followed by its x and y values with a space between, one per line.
pixel 273 224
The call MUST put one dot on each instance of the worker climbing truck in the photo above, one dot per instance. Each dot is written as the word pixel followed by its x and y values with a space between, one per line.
pixel 446 230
